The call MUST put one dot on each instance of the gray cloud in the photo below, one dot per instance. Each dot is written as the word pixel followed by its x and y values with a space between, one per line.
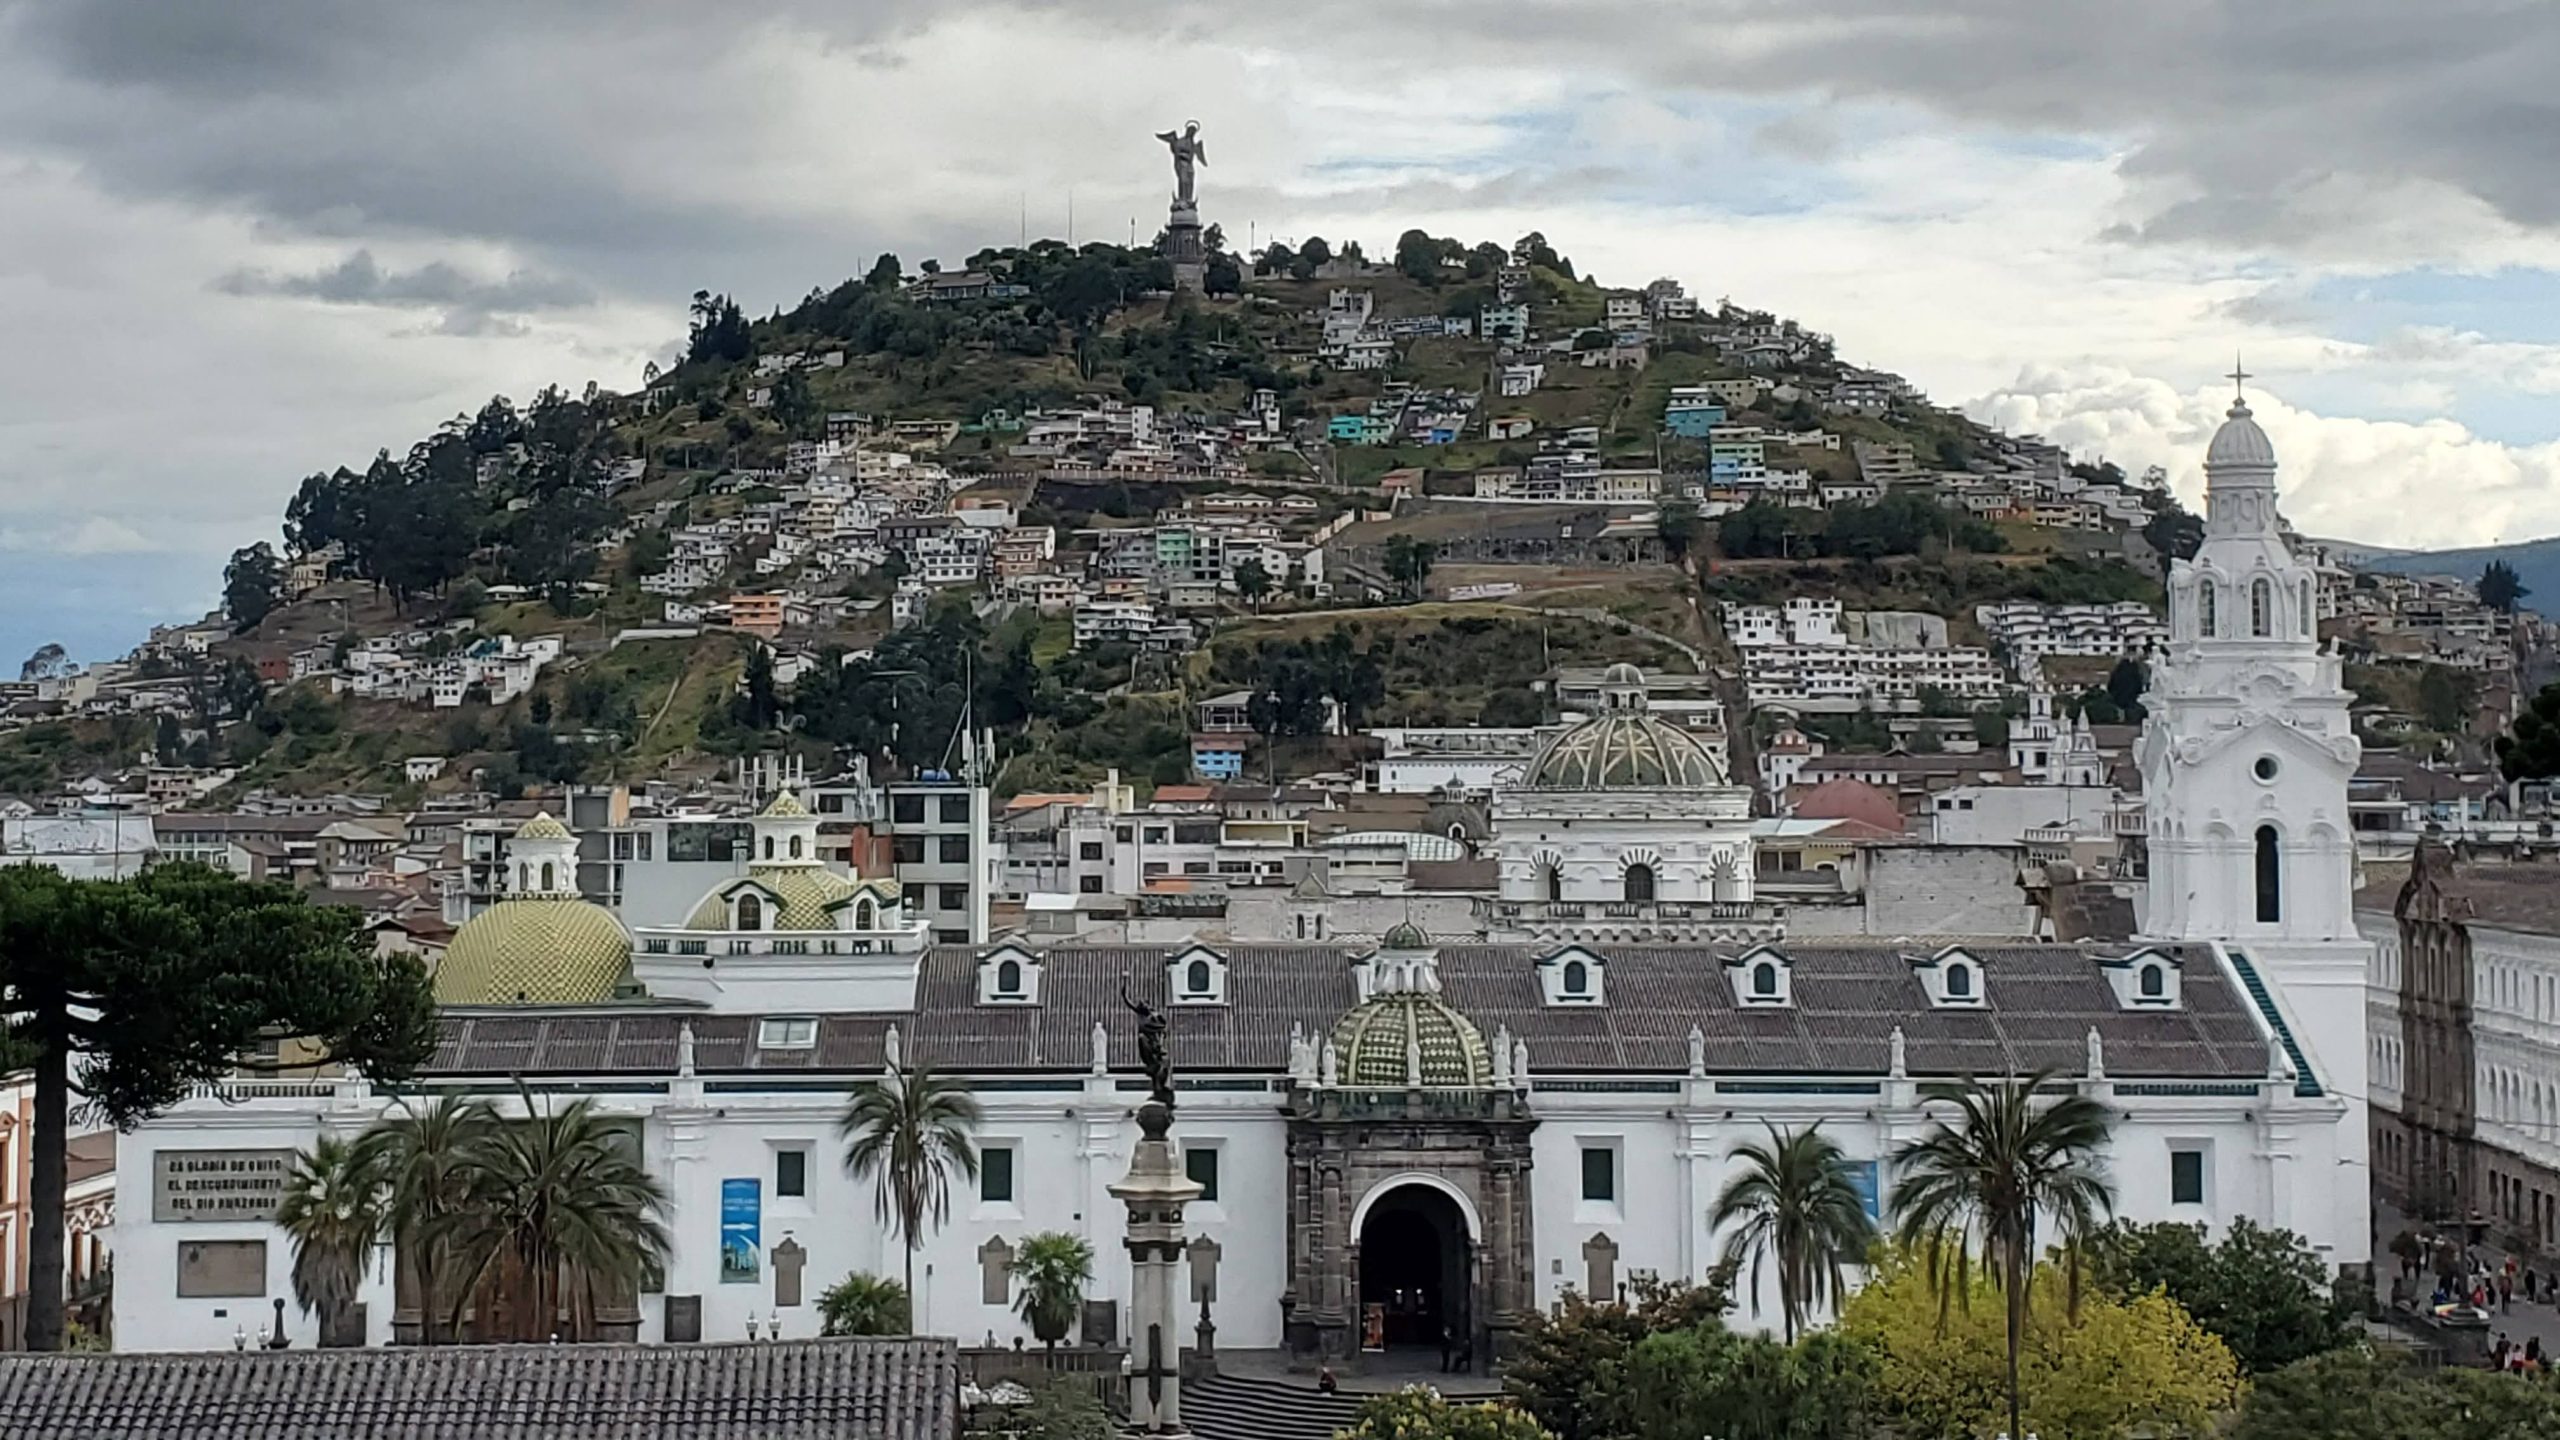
pixel 361 280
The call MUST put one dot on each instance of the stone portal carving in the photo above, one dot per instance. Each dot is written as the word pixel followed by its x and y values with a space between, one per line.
pixel 788 1261
pixel 1205 1255
pixel 1600 1263
pixel 995 1272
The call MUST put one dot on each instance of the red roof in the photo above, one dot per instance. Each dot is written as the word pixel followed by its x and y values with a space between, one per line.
pixel 1847 799
pixel 1181 794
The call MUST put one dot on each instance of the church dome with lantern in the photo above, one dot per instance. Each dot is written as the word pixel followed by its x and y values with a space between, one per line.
pixel 1404 1036
pixel 1623 747
pixel 544 944
pixel 787 887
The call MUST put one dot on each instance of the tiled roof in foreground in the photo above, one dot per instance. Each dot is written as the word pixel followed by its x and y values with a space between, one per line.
pixel 781 1390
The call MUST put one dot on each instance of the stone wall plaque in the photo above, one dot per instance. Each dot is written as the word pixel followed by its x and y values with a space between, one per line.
pixel 684 1319
pixel 217 1184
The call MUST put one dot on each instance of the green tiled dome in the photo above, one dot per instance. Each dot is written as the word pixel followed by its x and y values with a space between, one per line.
pixel 811 896
pixel 1372 1041
pixel 550 950
pixel 1623 748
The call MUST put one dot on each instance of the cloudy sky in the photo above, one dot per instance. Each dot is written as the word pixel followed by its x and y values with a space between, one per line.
pixel 243 241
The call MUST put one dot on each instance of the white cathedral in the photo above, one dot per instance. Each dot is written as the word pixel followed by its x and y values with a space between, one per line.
pixel 1395 1140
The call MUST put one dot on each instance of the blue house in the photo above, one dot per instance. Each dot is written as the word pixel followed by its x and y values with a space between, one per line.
pixel 1217 757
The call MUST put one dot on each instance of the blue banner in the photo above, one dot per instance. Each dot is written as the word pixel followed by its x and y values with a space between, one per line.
pixel 741 1230
pixel 1862 1174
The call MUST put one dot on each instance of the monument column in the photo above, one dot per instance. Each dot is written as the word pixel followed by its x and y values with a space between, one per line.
pixel 1155 1190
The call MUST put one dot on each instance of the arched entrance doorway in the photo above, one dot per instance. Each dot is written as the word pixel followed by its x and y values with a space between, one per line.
pixel 1417 1271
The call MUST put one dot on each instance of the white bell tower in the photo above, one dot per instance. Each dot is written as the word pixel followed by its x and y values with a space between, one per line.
pixel 2246 753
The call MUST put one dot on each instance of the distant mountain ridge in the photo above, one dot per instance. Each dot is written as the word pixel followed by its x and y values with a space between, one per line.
pixel 2536 562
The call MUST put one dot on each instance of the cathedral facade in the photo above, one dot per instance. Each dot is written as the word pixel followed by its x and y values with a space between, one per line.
pixel 1409 1142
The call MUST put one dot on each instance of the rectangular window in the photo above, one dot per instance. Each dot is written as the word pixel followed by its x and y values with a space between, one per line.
pixel 2186 1177
pixel 907 849
pixel 955 809
pixel 1599 1173
pixel 954 897
pixel 1088 884
pixel 1089 850
pixel 213 1269
pixel 995 1174
pixel 790 1174
pixel 952 849
pixel 788 1032
pixel 1201 1164
pixel 906 809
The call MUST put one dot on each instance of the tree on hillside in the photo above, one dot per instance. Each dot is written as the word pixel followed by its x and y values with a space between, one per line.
pixel 2125 685
pixel 49 662
pixel 2530 750
pixel 2446 697
pixel 1312 256
pixel 1253 582
pixel 759 705
pixel 2172 532
pixel 146 988
pixel 252 585
pixel 719 332
pixel 2012 1168
pixel 1534 248
pixel 2500 588
pixel 885 273
pixel 2264 1292
pixel 1408 563
pixel 1274 259
pixel 1681 528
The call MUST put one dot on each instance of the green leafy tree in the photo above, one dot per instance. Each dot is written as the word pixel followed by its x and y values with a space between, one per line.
pixel 252 585
pixel 2125 686
pixel 1060 1409
pixel 1053 1268
pixel 1253 582
pixel 1418 1412
pixel 1568 1364
pixel 333 1213
pixel 426 1159
pixel 906 1135
pixel 2446 698
pixel 49 662
pixel 2015 1168
pixel 151 986
pixel 2359 1394
pixel 559 1204
pixel 2264 1292
pixel 885 273
pixel 1794 1203
pixel 1408 564
pixel 2500 588
pixel 2172 532
pixel 1708 1380
pixel 862 1304
pixel 2530 750
pixel 759 703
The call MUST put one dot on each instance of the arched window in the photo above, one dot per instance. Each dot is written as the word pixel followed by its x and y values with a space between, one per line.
pixel 1639 883
pixel 1195 977
pixel 524 876
pixel 1302 927
pixel 1009 978
pixel 795 847
pixel 1577 978
pixel 2306 607
pixel 546 876
pixel 768 847
pixel 750 913
pixel 1555 883
pixel 1764 978
pixel 2270 877
pixel 862 914
pixel 2262 608
pixel 2205 597
pixel 1959 982
pixel 2150 983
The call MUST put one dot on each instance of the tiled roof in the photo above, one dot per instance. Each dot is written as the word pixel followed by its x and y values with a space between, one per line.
pixel 1848 997
pixel 855 1389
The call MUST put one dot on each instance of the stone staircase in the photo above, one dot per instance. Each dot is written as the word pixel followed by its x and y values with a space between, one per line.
pixel 1235 1407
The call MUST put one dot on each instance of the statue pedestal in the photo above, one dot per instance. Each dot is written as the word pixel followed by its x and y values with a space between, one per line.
pixel 1155 1190
pixel 1184 246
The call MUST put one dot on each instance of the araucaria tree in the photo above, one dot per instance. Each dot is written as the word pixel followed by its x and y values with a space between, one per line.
pixel 1793 1202
pixel 907 1135
pixel 2017 1166
pixel 139 990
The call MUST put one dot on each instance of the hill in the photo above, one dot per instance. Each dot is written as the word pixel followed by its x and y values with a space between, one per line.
pixel 2536 562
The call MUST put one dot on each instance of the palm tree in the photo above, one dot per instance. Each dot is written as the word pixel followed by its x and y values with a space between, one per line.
pixel 1054 1269
pixel 1794 1202
pixel 2014 1163
pixel 906 1135
pixel 862 1304
pixel 425 1161
pixel 559 1206
pixel 334 1211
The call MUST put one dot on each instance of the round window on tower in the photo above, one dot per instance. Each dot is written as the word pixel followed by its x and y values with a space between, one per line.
pixel 2265 769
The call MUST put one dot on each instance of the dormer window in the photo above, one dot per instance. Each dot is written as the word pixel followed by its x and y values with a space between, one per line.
pixel 788 1032
pixel 1009 975
pixel 864 913
pixel 750 912
pixel 2144 980
pixel 1574 976
pixel 1953 979
pixel 1763 978
pixel 1198 976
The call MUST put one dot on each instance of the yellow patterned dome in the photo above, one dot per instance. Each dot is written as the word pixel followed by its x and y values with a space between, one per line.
pixel 786 806
pixel 810 896
pixel 1381 1037
pixel 544 950
pixel 1623 748
pixel 543 827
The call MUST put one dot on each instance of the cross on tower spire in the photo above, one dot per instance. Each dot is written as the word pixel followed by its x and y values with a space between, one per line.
pixel 2238 376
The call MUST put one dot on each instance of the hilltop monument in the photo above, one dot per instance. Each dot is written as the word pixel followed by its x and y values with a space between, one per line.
pixel 1182 243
